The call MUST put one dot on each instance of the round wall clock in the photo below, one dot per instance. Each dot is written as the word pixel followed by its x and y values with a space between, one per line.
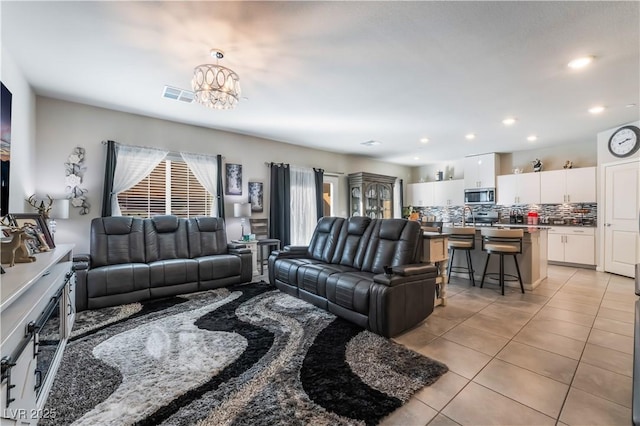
pixel 625 141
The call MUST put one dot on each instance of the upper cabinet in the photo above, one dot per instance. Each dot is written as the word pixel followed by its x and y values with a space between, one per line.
pixel 568 186
pixel 523 188
pixel 371 195
pixel 440 194
pixel 480 171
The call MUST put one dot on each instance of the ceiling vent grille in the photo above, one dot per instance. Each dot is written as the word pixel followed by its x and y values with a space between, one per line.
pixel 177 94
pixel 371 143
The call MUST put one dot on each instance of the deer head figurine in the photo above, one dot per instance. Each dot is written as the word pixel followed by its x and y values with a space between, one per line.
pixel 41 207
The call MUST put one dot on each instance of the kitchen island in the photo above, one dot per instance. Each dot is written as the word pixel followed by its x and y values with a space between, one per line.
pixel 532 261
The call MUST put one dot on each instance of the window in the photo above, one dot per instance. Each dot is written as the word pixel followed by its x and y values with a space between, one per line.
pixel 171 188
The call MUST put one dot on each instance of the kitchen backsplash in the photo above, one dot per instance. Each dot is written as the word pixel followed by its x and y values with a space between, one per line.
pixel 567 214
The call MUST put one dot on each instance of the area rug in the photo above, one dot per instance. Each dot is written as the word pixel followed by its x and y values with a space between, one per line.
pixel 242 355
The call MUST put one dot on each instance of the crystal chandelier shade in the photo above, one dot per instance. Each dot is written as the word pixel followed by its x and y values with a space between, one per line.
pixel 215 86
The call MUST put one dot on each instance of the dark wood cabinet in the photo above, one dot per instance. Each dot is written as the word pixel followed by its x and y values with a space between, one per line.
pixel 371 195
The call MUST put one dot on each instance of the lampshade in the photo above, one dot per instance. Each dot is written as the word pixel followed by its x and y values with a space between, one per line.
pixel 59 209
pixel 241 209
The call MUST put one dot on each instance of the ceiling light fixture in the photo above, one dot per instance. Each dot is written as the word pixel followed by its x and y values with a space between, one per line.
pixel 580 62
pixel 532 138
pixel 416 158
pixel 509 121
pixel 424 140
pixel 470 136
pixel 596 109
pixel 215 86
pixel 629 105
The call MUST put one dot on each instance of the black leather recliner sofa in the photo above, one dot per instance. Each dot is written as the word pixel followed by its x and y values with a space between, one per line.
pixel 136 259
pixel 343 271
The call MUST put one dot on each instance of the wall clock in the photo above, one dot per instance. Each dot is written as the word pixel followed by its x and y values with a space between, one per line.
pixel 625 141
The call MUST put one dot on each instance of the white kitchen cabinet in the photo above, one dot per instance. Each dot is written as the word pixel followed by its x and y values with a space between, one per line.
pixel 523 188
pixel 448 193
pixel 572 245
pixel 568 186
pixel 480 171
pixel 420 194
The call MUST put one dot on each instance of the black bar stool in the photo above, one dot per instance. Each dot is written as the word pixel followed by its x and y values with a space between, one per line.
pixel 502 242
pixel 463 238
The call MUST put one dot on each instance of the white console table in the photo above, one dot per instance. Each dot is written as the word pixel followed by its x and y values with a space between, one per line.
pixel 28 292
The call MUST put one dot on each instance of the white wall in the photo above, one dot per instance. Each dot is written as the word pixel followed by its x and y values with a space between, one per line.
pixel 61 126
pixel 23 131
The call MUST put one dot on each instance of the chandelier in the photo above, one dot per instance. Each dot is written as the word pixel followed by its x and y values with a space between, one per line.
pixel 215 86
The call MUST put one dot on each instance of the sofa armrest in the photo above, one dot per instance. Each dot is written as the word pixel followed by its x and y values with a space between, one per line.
pixel 81 265
pixel 83 257
pixel 231 246
pixel 406 273
pixel 240 250
pixel 296 249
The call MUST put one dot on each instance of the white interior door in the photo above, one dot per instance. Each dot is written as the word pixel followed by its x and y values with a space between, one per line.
pixel 621 221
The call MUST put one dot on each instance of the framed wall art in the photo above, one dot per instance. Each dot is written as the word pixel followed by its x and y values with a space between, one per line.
pixel 256 196
pixel 234 179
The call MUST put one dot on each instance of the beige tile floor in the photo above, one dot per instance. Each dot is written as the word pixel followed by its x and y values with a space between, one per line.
pixel 560 354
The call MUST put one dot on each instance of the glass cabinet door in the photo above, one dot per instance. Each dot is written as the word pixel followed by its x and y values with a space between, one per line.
pixel 385 193
pixel 356 200
pixel 371 195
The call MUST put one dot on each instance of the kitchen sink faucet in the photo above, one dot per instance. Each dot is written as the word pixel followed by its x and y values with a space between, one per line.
pixel 473 218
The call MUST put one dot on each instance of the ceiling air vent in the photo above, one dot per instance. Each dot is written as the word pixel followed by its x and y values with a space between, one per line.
pixel 370 143
pixel 177 94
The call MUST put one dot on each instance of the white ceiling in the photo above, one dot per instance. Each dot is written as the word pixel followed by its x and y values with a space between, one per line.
pixel 332 75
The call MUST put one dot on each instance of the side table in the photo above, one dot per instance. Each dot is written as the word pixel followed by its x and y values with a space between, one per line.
pixel 253 246
pixel 435 250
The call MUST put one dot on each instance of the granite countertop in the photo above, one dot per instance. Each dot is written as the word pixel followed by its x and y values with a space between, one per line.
pixel 547 225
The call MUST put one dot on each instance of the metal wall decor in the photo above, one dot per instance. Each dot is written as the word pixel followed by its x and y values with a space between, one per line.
pixel 74 170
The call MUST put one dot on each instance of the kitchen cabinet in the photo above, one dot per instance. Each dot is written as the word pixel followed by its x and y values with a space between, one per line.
pixel 568 186
pixel 572 245
pixel 441 194
pixel 480 171
pixel 448 193
pixel 371 195
pixel 523 188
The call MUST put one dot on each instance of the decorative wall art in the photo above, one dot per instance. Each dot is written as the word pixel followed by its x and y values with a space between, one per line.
pixel 5 148
pixel 234 179
pixel 256 195
pixel 74 170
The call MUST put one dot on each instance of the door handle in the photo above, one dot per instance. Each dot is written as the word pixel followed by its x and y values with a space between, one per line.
pixel 607 224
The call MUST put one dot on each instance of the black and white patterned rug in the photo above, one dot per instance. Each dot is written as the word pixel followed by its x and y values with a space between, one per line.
pixel 243 355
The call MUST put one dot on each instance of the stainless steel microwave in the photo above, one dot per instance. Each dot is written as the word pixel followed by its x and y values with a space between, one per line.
pixel 480 196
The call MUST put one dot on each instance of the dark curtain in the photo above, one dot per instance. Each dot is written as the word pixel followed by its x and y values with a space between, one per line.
pixel 109 171
pixel 279 205
pixel 319 175
pixel 401 196
pixel 220 189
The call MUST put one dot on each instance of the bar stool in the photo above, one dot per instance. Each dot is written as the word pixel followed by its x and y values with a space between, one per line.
pixel 502 242
pixel 461 239
pixel 260 227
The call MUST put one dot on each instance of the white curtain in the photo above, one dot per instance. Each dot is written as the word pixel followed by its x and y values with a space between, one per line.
pixel 133 163
pixel 205 169
pixel 303 205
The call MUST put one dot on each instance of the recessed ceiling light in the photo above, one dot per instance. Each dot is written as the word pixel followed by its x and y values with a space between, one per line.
pixel 629 105
pixel 470 136
pixel 370 143
pixel 596 109
pixel 532 138
pixel 416 158
pixel 508 121
pixel 580 62
pixel 424 140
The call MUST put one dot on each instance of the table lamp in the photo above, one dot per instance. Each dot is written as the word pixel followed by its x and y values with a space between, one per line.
pixel 243 211
pixel 59 210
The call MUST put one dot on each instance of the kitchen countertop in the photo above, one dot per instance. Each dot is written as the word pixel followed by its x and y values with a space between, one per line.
pixel 548 225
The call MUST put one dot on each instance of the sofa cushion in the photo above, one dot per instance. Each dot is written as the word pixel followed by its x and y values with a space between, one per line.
pixel 173 276
pixel 207 236
pixel 325 239
pixel 117 279
pixel 353 241
pixel 286 269
pixel 393 242
pixel 219 266
pixel 117 240
pixel 350 290
pixel 312 278
pixel 166 238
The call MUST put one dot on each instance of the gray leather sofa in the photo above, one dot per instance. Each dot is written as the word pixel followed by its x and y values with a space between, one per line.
pixel 134 259
pixel 366 271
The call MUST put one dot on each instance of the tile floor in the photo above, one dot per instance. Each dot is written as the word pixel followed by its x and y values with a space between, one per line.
pixel 560 354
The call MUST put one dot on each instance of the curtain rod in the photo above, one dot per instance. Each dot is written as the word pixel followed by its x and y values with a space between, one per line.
pixel 173 153
pixel 268 164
